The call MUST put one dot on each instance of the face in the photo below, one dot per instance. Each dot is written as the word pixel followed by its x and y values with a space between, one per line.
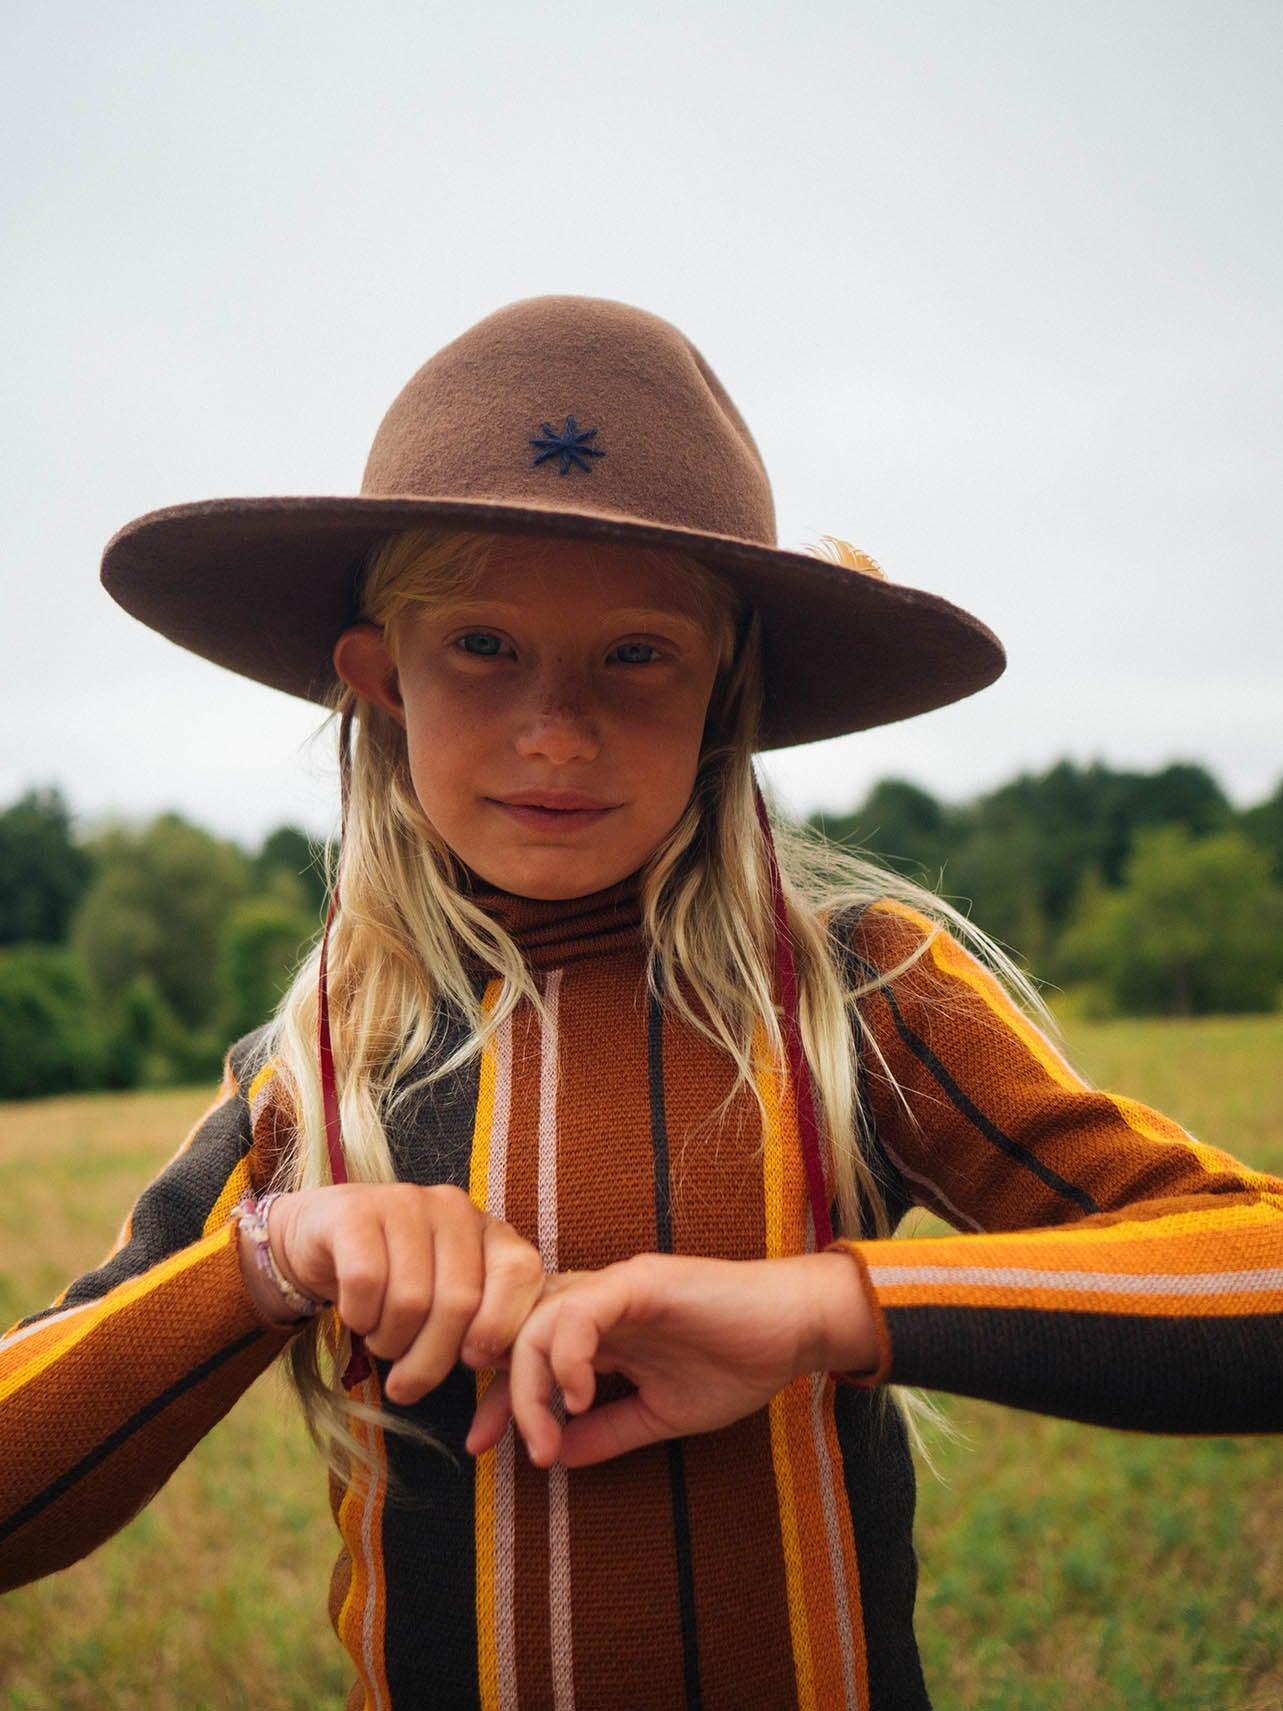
pixel 553 714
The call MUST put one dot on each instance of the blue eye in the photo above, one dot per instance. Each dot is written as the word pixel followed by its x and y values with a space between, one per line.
pixel 493 644
pixel 623 646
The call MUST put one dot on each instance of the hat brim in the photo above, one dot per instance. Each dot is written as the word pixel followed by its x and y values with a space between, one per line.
pixel 264 586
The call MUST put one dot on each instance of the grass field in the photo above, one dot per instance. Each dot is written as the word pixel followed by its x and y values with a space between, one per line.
pixel 1061 1565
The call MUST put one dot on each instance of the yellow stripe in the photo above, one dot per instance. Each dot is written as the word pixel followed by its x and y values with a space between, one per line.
pixel 237 1184
pixel 260 1081
pixel 773 1206
pixel 484 1469
pixel 123 1296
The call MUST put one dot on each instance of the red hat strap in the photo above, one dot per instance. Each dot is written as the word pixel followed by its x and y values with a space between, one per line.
pixel 358 1366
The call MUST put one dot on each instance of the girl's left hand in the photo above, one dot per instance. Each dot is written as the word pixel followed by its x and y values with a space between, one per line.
pixel 705 1341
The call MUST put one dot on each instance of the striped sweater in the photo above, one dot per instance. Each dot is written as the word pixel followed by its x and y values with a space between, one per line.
pixel 1107 1267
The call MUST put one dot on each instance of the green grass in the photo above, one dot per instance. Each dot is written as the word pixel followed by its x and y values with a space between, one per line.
pixel 1062 1565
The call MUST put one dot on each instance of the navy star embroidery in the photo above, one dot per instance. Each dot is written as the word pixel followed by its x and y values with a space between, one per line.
pixel 568 445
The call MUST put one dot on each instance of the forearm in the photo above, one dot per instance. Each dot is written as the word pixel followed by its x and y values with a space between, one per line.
pixel 103 1402
pixel 1166 1322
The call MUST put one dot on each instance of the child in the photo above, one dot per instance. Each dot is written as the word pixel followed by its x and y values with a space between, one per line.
pixel 534 1175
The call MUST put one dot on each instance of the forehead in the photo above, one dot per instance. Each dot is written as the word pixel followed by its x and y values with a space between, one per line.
pixel 578 575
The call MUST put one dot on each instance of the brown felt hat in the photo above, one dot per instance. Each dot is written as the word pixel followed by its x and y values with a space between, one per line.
pixel 558 415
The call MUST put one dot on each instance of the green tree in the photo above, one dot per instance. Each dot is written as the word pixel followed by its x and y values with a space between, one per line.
pixel 50 1041
pixel 263 939
pixel 1264 825
pixel 157 906
pixel 290 851
pixel 1196 928
pixel 43 873
pixel 903 825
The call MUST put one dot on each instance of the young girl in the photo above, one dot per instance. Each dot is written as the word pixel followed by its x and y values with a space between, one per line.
pixel 534 1176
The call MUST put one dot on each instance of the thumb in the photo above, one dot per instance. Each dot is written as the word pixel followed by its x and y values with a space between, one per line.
pixel 491 1418
pixel 610 1430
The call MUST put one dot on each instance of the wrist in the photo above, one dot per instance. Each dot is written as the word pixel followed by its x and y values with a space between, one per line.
pixel 846 1331
pixel 275 1294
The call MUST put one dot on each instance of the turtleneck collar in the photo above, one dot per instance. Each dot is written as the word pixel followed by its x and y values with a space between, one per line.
pixel 550 932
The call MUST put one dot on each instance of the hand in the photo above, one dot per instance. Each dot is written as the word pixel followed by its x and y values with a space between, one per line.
pixel 422 1274
pixel 705 1341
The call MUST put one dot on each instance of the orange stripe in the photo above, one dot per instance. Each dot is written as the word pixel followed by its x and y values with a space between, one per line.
pixel 1113 1246
pixel 362 1619
pixel 773 1191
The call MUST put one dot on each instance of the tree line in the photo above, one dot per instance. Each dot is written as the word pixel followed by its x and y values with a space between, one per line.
pixel 133 955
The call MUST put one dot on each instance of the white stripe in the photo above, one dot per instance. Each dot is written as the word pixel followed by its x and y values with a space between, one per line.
pixel 548 1124
pixel 820 1383
pixel 559 1592
pixel 49 1319
pixel 1263 1281
pixel 505 1472
pixel 958 1215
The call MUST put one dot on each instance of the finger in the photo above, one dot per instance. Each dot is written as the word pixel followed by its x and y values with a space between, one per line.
pixel 514 1282
pixel 531 1382
pixel 490 1421
pixel 360 1259
pixel 456 1295
pixel 611 1430
pixel 574 1344
pixel 407 1299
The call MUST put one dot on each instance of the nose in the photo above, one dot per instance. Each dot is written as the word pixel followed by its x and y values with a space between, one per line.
pixel 560 726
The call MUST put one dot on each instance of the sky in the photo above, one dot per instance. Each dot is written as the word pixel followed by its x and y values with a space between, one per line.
pixel 997 287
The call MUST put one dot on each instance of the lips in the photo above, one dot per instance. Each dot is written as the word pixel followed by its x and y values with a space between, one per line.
pixel 555 810
pixel 565 800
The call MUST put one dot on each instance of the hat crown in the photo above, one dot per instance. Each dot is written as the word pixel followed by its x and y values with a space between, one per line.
pixel 565 400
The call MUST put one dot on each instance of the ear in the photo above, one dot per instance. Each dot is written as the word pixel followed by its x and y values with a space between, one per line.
pixel 362 660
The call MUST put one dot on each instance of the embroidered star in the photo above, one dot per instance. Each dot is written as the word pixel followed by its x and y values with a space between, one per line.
pixel 568 445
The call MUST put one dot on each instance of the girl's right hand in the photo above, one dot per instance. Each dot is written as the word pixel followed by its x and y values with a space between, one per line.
pixel 423 1275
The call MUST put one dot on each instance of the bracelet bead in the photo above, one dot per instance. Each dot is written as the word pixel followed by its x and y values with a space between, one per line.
pixel 251 1215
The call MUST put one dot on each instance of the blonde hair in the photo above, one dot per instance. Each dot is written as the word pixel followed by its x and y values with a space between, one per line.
pixel 398 945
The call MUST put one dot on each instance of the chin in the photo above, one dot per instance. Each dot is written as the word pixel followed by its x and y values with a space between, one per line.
pixel 552 875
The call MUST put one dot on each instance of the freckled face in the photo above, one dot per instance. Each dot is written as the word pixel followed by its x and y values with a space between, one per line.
pixel 553 716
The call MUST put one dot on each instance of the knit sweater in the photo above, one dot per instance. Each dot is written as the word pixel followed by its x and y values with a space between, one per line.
pixel 1107 1267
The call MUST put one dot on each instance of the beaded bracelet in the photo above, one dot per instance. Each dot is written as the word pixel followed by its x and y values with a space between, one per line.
pixel 252 1217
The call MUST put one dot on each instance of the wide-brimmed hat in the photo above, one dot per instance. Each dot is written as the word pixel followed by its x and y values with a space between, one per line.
pixel 566 416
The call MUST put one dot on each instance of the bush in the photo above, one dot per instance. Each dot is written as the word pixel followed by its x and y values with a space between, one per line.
pixel 52 1039
pixel 1196 928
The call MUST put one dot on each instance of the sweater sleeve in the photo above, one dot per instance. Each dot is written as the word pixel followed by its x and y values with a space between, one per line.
pixel 1109 1267
pixel 104 1392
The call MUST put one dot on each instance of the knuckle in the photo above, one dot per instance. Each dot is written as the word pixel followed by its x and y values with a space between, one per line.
pixel 451 1197
pixel 458 1300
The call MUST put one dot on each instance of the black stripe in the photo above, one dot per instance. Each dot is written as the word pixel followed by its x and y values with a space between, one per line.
pixel 1153 1374
pixel 972 1112
pixel 429 1511
pixel 676 1459
pixel 877 1471
pixel 114 1440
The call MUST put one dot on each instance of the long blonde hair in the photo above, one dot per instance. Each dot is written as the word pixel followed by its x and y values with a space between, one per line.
pixel 398 945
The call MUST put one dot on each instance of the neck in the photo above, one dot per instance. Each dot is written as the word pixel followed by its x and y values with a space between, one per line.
pixel 552 931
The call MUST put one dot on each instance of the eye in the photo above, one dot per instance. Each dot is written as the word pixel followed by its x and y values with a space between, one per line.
pixel 491 645
pixel 627 649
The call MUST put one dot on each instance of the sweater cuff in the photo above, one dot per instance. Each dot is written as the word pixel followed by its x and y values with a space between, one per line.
pixel 882 1335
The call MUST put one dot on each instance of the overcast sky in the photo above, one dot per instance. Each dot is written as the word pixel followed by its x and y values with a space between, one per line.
pixel 996 286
